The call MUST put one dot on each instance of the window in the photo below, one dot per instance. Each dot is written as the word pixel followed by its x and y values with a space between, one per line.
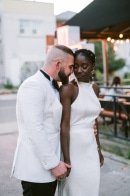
pixel 31 27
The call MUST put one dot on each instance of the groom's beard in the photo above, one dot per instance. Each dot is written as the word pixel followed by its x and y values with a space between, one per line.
pixel 63 77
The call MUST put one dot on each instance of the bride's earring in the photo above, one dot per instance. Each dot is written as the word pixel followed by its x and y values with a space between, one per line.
pixel 93 75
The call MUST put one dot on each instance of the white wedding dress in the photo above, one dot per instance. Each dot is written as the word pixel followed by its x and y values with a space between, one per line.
pixel 84 177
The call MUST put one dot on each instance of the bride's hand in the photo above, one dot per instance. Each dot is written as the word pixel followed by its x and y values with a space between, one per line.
pixel 101 158
pixel 68 169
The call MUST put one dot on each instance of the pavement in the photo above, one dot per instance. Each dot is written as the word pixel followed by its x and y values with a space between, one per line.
pixel 115 173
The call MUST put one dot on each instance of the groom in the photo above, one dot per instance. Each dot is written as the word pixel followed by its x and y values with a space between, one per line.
pixel 37 157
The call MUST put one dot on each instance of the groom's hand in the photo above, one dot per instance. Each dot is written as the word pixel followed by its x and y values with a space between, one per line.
pixel 60 170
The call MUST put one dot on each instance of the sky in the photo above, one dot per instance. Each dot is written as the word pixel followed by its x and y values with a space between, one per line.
pixel 65 5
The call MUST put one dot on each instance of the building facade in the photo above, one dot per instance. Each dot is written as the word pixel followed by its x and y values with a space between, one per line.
pixel 26 31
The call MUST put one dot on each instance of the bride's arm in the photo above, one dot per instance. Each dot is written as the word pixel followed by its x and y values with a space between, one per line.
pixel 101 157
pixel 65 98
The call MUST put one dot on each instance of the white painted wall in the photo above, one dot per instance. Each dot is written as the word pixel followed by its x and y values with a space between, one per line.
pixel 18 48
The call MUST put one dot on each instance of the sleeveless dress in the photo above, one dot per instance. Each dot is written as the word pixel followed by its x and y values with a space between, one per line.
pixel 84 177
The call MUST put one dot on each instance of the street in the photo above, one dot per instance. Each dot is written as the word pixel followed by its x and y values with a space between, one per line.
pixel 7 110
pixel 115 173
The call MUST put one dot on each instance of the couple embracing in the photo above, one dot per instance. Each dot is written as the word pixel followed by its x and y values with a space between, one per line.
pixel 50 120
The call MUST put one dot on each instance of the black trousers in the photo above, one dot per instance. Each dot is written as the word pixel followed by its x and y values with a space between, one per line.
pixel 38 189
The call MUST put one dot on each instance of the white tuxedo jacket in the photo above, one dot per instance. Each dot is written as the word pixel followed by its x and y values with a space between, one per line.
pixel 38 112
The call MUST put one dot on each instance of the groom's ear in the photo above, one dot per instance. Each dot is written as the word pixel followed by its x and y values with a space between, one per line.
pixel 58 65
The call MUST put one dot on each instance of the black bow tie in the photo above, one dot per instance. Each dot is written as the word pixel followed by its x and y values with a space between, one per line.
pixel 54 82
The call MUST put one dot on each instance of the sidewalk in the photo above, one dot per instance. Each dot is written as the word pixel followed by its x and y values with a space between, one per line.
pixel 115 173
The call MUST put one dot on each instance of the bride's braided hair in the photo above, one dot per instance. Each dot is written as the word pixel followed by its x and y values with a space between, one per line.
pixel 87 53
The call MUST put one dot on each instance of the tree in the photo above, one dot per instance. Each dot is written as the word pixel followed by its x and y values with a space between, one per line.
pixel 113 63
pixel 99 58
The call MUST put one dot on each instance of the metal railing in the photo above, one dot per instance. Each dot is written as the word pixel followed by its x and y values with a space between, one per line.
pixel 114 119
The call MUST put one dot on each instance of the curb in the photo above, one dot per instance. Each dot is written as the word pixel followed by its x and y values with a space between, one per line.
pixel 116 158
pixel 4 97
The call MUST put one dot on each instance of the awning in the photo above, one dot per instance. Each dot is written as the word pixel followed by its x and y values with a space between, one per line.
pixel 102 19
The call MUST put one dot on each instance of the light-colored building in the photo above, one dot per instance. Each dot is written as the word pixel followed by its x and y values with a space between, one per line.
pixel 27 30
pixel 70 35
pixel 63 17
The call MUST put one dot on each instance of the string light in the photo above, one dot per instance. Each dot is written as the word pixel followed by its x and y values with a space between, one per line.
pixel 112 40
pixel 127 40
pixel 121 41
pixel 117 41
pixel 108 39
pixel 120 35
